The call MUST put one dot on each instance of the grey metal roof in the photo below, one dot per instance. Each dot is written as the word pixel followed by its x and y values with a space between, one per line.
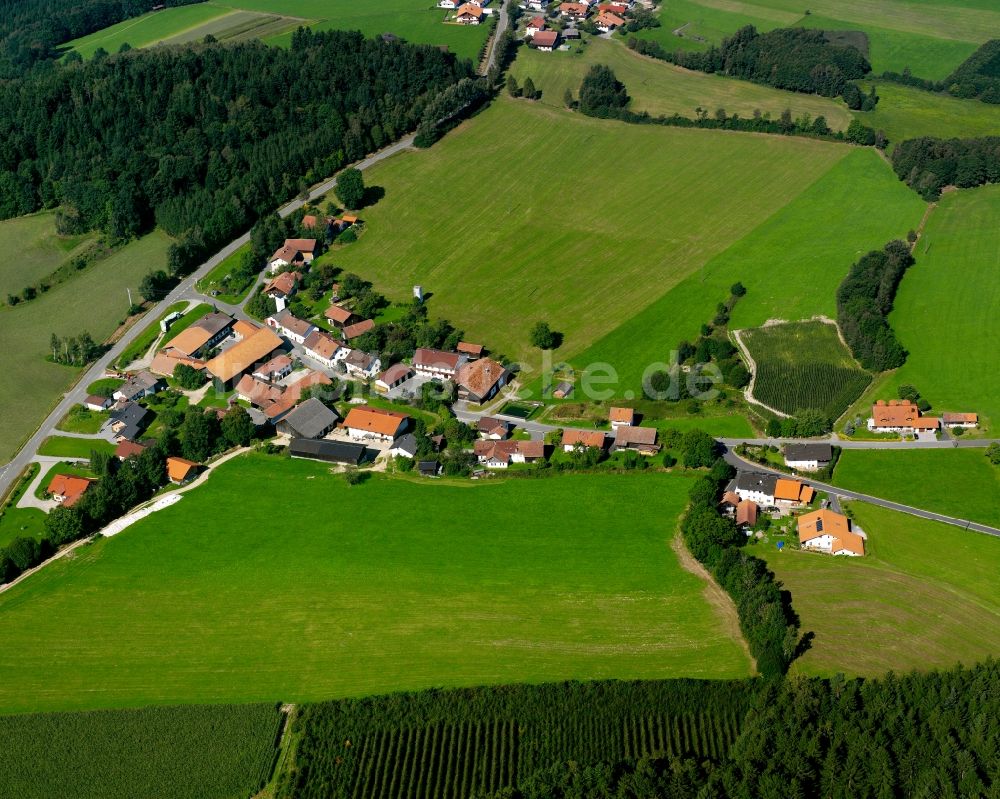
pixel 407 443
pixel 808 452
pixel 215 322
pixel 311 419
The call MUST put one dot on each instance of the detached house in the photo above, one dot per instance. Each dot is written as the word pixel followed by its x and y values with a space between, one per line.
pixel 282 288
pixel 469 14
pixel 756 486
pixel 438 364
pixel 66 489
pixel 95 402
pixel 294 252
pixel 830 532
pixel 364 422
pixel 746 514
pixel 964 420
pixel 607 22
pixel 126 420
pixel 621 417
pixel 490 427
pixel 290 326
pixel 500 454
pixel 545 41
pixel 480 380
pixel 181 470
pixel 900 416
pixel 573 11
pixel 339 316
pixel 808 457
pixel 311 419
pixel 141 384
pixel 324 348
pixel 362 364
pixel 535 25
pixel 573 440
pixel 640 439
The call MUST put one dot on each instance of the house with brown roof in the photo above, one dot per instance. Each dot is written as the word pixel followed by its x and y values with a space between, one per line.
pixel 181 470
pixel 95 402
pixel 362 364
pixel 535 24
pixel 900 416
pixel 358 329
pixel 964 420
pixel 278 367
pixel 324 348
pixel 500 454
pixel 167 360
pixel 469 14
pixel 366 423
pixel 613 8
pixel 746 514
pixel 545 41
pixel 340 316
pixel 227 367
pixel 621 417
pixel 574 11
pixel 827 531
pixel 730 501
pixel 394 376
pixel 438 364
pixel 129 449
pixel 294 252
pixel 573 440
pixel 290 326
pixel 640 439
pixel 470 350
pixel 479 381
pixel 257 392
pixel 66 489
pixel 607 22
pixel 490 427
pixel 282 288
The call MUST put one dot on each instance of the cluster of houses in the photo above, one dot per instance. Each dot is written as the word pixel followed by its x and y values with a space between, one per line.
pixel 467 12
pixel 626 434
pixel 606 17
pixel 905 418
pixel 67 489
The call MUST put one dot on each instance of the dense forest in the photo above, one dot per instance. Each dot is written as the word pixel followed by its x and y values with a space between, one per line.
pixel 204 140
pixel 864 300
pixel 32 30
pixel 979 75
pixel 796 59
pixel 920 735
pixel 927 164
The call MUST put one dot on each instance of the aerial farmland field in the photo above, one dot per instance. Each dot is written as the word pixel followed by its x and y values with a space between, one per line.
pixel 314 589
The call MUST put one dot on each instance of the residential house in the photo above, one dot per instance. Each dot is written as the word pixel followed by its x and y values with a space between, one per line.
pixel 479 381
pixel 621 417
pixel 535 5
pixel 365 422
pixel 570 33
pixel 227 367
pixel 292 395
pixel 450 4
pixel 900 416
pixel 640 439
pixel 756 486
pixel 129 449
pixel 535 24
pixel 294 252
pixel 746 514
pixel 141 384
pixel 730 501
pixel 66 489
pixel 324 348
pixel 257 392
pixel 311 419
pixel 167 360
pixel 500 454
pixel 404 447
pixel 619 9
pixel 310 221
pixel 830 532
pixel 275 369
pixel 580 439
pixel 573 11
pixel 362 364
pixel 792 492
pixel 964 420
pixel 181 470
pixel 290 326
pixel 490 427
pixel 808 457
pixel 95 402
pixel 395 375
pixel 469 14
pixel 126 420
pixel 326 450
pixel 358 329
pixel 282 288
pixel 545 41
pixel 607 22
pixel 471 351
pixel 339 316
pixel 438 364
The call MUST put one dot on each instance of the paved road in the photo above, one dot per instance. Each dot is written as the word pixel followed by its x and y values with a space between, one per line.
pixel 740 463
pixel 186 290
pixel 955 443
pixel 501 27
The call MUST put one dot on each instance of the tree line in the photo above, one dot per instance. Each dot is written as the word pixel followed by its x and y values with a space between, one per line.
pixel 864 300
pixel 928 164
pixel 202 140
pixel 978 77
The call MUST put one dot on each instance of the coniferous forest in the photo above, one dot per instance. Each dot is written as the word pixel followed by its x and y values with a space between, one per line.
pixel 203 140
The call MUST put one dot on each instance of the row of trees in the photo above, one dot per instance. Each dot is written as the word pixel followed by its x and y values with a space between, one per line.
pixel 201 139
pixel 928 164
pixel 75 350
pixel 864 300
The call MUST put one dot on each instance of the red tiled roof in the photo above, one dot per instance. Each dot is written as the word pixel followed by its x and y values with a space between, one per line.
pixel 336 313
pixel 70 487
pixel 545 38
pixel 375 420
pixel 479 377
pixel 583 438
pixel 355 330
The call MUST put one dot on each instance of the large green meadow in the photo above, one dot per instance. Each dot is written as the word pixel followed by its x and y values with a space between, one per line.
pixel 39 250
pixel 923 596
pixel 278 581
pixel 149 29
pixel 92 301
pixel 945 309
pixel 954 482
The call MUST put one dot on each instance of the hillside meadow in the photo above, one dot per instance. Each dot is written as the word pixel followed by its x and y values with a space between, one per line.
pixel 316 589
pixel 923 597
pixel 94 301
pixel 40 251
pixel 945 310
pixel 148 29
pixel 664 89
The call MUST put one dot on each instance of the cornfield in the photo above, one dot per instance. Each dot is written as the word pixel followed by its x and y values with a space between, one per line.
pixel 822 387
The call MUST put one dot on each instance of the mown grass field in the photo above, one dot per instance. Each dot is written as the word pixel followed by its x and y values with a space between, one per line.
pixel 804 366
pixel 923 597
pixel 929 38
pixel 206 752
pixel 791 264
pixel 39 251
pixel 945 309
pixel 955 482
pixel 504 230
pixel 93 301
pixel 73 447
pixel 351 590
pixel 663 89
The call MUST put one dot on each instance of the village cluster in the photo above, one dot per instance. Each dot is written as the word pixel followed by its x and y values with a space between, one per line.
pixel 546 33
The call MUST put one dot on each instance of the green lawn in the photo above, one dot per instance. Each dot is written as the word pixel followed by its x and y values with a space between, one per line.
pixel 525 242
pixel 955 482
pixel 21 522
pixel 93 301
pixel 923 597
pixel 71 447
pixel 80 419
pixel 804 365
pixel 791 263
pixel 216 279
pixel 149 29
pixel 40 251
pixel 945 309
pixel 351 590
pixel 661 88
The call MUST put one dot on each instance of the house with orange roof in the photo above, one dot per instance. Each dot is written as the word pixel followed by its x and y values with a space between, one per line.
pixel 792 492
pixel 827 531
pixel 574 11
pixel 479 381
pixel 573 440
pixel 282 288
pixel 469 14
pixel 66 489
pixel 242 329
pixel 621 417
pixel 181 470
pixel 470 350
pixel 366 423
pixel 607 22
pixel 340 316
pixel 535 24
pixel 167 360
pixel 900 416
pixel 227 367
pixel 358 329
